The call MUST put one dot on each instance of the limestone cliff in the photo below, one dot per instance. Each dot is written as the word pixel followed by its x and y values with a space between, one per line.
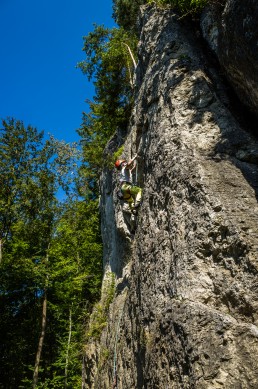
pixel 230 28
pixel 185 311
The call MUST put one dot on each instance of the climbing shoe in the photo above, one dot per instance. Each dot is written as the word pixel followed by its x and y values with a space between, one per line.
pixel 136 206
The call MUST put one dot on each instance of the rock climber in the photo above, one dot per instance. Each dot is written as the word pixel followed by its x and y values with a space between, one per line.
pixel 132 194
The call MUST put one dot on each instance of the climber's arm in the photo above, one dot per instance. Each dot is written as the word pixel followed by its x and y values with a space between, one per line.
pixel 129 164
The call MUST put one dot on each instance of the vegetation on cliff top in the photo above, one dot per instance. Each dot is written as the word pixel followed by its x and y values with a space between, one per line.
pixel 126 11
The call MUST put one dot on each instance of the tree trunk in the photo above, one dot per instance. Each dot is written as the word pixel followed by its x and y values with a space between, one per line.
pixel 43 330
pixel 41 340
pixel 84 374
pixel 131 54
pixel 68 347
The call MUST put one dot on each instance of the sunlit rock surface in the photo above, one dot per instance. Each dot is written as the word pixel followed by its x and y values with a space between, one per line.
pixel 185 312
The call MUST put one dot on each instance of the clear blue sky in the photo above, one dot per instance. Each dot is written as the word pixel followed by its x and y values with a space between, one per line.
pixel 41 43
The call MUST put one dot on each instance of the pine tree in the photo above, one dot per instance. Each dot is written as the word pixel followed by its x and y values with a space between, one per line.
pixel 31 173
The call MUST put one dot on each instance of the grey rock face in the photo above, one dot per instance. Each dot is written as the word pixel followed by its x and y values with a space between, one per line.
pixel 185 314
pixel 232 33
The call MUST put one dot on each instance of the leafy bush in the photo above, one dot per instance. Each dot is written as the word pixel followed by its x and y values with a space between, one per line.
pixel 100 311
pixel 184 6
pixel 126 12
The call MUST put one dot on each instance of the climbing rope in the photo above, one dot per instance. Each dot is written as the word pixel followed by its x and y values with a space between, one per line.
pixel 136 172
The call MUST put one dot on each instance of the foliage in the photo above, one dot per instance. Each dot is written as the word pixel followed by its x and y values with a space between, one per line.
pixel 111 158
pixel 125 13
pixel 109 62
pixel 118 153
pixel 184 6
pixel 31 172
pixel 100 311
pixel 76 253
pixel 34 223
pixel 105 51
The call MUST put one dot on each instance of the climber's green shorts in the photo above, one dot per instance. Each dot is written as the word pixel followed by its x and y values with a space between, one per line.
pixel 132 193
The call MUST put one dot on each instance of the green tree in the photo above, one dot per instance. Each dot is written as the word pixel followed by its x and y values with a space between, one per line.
pixel 74 285
pixel 31 172
pixel 19 157
pixel 126 13
pixel 110 61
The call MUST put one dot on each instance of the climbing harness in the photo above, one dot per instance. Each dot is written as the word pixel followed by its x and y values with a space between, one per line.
pixel 124 195
pixel 126 191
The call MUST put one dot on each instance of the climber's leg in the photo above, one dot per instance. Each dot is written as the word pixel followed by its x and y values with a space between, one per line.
pixel 136 192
